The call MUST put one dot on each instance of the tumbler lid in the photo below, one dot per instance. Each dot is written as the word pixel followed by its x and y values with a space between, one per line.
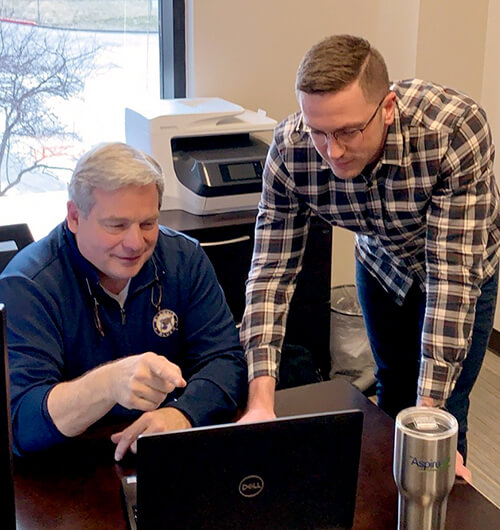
pixel 427 422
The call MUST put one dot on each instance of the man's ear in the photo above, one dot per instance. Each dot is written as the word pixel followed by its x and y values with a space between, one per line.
pixel 388 106
pixel 73 216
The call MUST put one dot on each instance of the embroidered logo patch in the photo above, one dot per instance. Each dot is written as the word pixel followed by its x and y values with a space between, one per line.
pixel 165 322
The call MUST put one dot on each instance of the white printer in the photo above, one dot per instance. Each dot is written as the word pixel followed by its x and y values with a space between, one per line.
pixel 208 150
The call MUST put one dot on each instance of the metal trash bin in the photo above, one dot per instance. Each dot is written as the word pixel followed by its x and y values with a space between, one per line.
pixel 350 350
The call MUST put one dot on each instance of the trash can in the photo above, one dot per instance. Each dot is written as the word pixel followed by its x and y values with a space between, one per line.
pixel 350 350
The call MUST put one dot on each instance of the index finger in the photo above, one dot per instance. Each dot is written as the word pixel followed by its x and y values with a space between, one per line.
pixel 127 437
pixel 167 371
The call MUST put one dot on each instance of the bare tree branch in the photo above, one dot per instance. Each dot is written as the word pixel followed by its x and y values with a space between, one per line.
pixel 37 66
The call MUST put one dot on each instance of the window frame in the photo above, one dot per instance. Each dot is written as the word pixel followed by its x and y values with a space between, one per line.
pixel 172 39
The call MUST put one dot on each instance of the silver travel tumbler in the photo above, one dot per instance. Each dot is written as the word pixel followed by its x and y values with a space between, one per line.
pixel 425 446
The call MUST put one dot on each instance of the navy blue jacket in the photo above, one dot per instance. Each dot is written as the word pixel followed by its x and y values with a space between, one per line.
pixel 50 291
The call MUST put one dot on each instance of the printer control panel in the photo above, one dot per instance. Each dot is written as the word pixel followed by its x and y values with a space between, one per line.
pixel 239 171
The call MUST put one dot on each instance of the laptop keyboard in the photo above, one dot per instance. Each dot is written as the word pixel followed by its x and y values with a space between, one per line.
pixel 129 485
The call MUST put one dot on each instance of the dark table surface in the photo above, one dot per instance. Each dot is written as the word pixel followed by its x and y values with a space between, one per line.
pixel 78 485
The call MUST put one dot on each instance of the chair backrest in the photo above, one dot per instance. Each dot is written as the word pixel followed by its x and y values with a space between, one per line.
pixel 8 502
pixel 12 239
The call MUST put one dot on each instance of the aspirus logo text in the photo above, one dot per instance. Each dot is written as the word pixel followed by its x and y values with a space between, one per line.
pixel 251 486
pixel 430 465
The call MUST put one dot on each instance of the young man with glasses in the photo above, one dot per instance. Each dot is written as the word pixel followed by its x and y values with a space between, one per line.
pixel 409 168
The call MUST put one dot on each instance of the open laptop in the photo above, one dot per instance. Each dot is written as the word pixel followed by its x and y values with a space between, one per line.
pixel 295 472
pixel 9 510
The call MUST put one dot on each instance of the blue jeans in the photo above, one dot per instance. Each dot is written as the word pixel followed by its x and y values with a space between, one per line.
pixel 395 337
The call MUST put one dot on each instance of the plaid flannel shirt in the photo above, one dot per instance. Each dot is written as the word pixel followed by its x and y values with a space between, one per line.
pixel 427 212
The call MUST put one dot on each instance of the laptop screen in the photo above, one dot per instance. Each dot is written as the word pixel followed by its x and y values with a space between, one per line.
pixel 295 472
pixel 9 512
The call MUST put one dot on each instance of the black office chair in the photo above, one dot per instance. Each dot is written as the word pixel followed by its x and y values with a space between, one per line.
pixel 12 239
pixel 8 496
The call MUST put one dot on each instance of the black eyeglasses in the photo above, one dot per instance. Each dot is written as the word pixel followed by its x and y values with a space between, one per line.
pixel 345 137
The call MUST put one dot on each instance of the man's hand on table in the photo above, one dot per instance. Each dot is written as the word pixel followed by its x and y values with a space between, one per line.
pixel 256 414
pixel 460 469
pixel 160 420
pixel 260 400
pixel 143 382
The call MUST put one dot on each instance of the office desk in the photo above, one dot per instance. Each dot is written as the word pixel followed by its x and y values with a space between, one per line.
pixel 376 502
pixel 78 486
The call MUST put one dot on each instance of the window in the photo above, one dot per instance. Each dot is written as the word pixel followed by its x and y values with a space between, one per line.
pixel 68 69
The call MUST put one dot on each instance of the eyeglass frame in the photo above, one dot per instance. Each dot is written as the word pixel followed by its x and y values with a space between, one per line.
pixel 335 134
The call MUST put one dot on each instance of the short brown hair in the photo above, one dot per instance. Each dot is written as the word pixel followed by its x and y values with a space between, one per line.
pixel 337 61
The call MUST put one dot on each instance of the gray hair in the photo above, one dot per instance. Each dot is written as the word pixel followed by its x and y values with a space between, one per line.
pixel 112 166
pixel 339 60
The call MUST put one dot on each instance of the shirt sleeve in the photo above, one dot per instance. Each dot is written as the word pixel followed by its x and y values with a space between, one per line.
pixel 214 364
pixel 459 220
pixel 280 236
pixel 35 362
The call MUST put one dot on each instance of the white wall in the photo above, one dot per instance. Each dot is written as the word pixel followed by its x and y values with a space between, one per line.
pixel 451 43
pixel 248 52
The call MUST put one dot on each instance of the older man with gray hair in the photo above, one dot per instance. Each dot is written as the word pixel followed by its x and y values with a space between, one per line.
pixel 113 316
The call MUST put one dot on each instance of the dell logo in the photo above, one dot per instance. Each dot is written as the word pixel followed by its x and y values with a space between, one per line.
pixel 251 486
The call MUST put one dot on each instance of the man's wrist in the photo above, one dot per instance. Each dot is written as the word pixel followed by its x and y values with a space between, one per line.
pixel 261 392
pixel 427 401
pixel 176 418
